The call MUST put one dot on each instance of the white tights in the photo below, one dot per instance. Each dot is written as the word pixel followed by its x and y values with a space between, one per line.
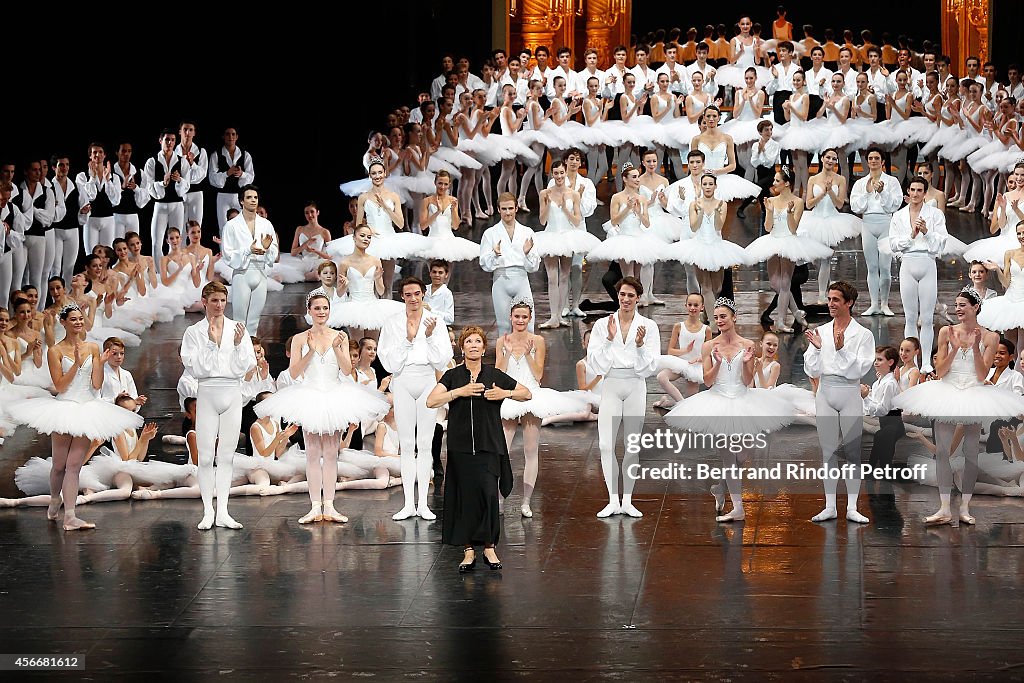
pixel 876 226
pixel 597 164
pixel 125 223
pixel 321 465
pixel 780 275
pixel 918 291
pixel 6 263
pixel 943 469
pixel 623 403
pixel 101 231
pixel 218 422
pixel 531 450
pixel 410 388
pixel 193 208
pixel 508 180
pixel 558 269
pixel 40 250
pixel 710 283
pixel 68 454
pixel 65 253
pixel 248 295
pixel 840 423
pixel 165 214
pixel 509 284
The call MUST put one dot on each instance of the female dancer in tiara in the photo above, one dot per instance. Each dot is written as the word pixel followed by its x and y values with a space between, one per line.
pixel 623 349
pixel 521 355
pixel 309 242
pixel 782 247
pixel 439 219
pixel 826 195
pixel 75 416
pixel 629 241
pixel 730 408
pixel 564 235
pixel 362 280
pixel 1006 313
pixel 707 250
pixel 683 357
pixel 323 404
pixel 960 397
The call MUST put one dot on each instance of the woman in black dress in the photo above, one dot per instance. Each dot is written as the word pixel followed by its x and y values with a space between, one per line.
pixel 478 464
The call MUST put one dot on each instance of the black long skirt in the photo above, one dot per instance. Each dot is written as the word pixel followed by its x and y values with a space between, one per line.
pixel 471 514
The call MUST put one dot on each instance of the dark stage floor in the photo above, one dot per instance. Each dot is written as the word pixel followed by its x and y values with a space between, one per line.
pixel 672 596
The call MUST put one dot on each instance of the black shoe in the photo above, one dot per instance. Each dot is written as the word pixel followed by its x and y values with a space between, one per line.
pixel 463 568
pixel 492 565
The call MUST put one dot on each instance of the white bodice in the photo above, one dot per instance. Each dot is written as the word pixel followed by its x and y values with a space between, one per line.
pixel 323 370
pixel 631 225
pixel 903 107
pixel 729 381
pixel 558 220
pixel 80 390
pixel 391 444
pixel 441 223
pixel 316 241
pixel 685 337
pixel 962 373
pixel 360 287
pixel 746 58
pixel 780 223
pixel 519 370
pixel 824 208
pixel 26 357
pixel 377 218
pixel 746 108
pixel 707 231
pixel 716 158
pixel 1015 292
pixel 1012 219
pixel 795 106
pixel 647 193
pixel 766 371
pixel 10 354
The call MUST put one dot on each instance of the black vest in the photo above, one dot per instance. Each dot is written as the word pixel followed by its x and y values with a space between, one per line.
pixel 127 204
pixel 231 183
pixel 37 228
pixel 100 207
pixel 171 195
pixel 6 216
pixel 70 220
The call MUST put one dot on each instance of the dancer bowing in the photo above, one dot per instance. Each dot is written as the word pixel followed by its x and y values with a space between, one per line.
pixel 506 249
pixel 249 247
pixel 876 197
pixel 624 349
pixel 522 355
pixel 413 345
pixel 324 403
pixel 782 247
pixel 75 416
pixel 839 353
pixel 917 234
pixel 730 407
pixel 218 352
pixel 960 397
pixel 563 237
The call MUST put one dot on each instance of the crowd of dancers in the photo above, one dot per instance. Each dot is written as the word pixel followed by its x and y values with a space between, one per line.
pixel 371 367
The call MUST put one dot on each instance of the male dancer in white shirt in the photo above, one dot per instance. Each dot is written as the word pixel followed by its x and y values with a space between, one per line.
pixel 707 70
pixel 166 176
pixel 506 250
pixel 38 206
pixel 99 190
pixel 230 170
pixel 838 354
pixel 249 247
pixel 217 352
pixel 876 197
pixel 917 235
pixel 414 346
pixel 134 195
pixel 199 165
pixel 12 230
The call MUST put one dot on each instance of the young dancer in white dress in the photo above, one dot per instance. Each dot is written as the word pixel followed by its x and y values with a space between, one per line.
pixel 521 355
pixel 748 105
pixel 839 131
pixel 564 235
pixel 1009 212
pixel 75 416
pixel 623 349
pixel 683 358
pixel 310 242
pixel 782 247
pixel 720 158
pixel 838 355
pixel 362 281
pixel 960 397
pixel 1006 313
pixel 730 407
pixel 826 195
pixel 324 404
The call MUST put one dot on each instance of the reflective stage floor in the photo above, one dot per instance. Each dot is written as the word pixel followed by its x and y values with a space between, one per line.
pixel 672 596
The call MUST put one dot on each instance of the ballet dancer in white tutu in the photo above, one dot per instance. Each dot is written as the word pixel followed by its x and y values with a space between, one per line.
pixel 730 407
pixel 961 397
pixel 324 404
pixel 683 359
pixel 1006 313
pixel 75 416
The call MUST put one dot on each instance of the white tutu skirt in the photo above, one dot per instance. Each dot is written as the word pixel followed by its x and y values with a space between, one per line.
pixel 324 410
pixel 512 147
pixel 795 248
pixel 31 376
pixel 482 149
pixel 122 319
pixel 564 243
pixel 450 248
pixel 1002 313
pixel 157 473
pixel 979 159
pixel 100 334
pixel 93 419
pixel 871 133
pixel 751 412
pixel 943 402
pixel 691 372
pixel 642 249
pixel 830 230
pixel 456 158
pixel 681 132
pixel 919 130
pixel 290 464
pixel 386 246
pixel 989 249
pixel 732 75
pixel 368 315
pixel 666 226
pixel 963 147
pixel 803 400
pixel 806 137
pixel 9 393
pixel 33 478
pixel 436 163
pixel 709 256
pixel 366 462
pixel 742 132
pixel 946 135
pixel 545 403
pixel 290 270
pixel 951 248
pixel 732 186
pixel 840 135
